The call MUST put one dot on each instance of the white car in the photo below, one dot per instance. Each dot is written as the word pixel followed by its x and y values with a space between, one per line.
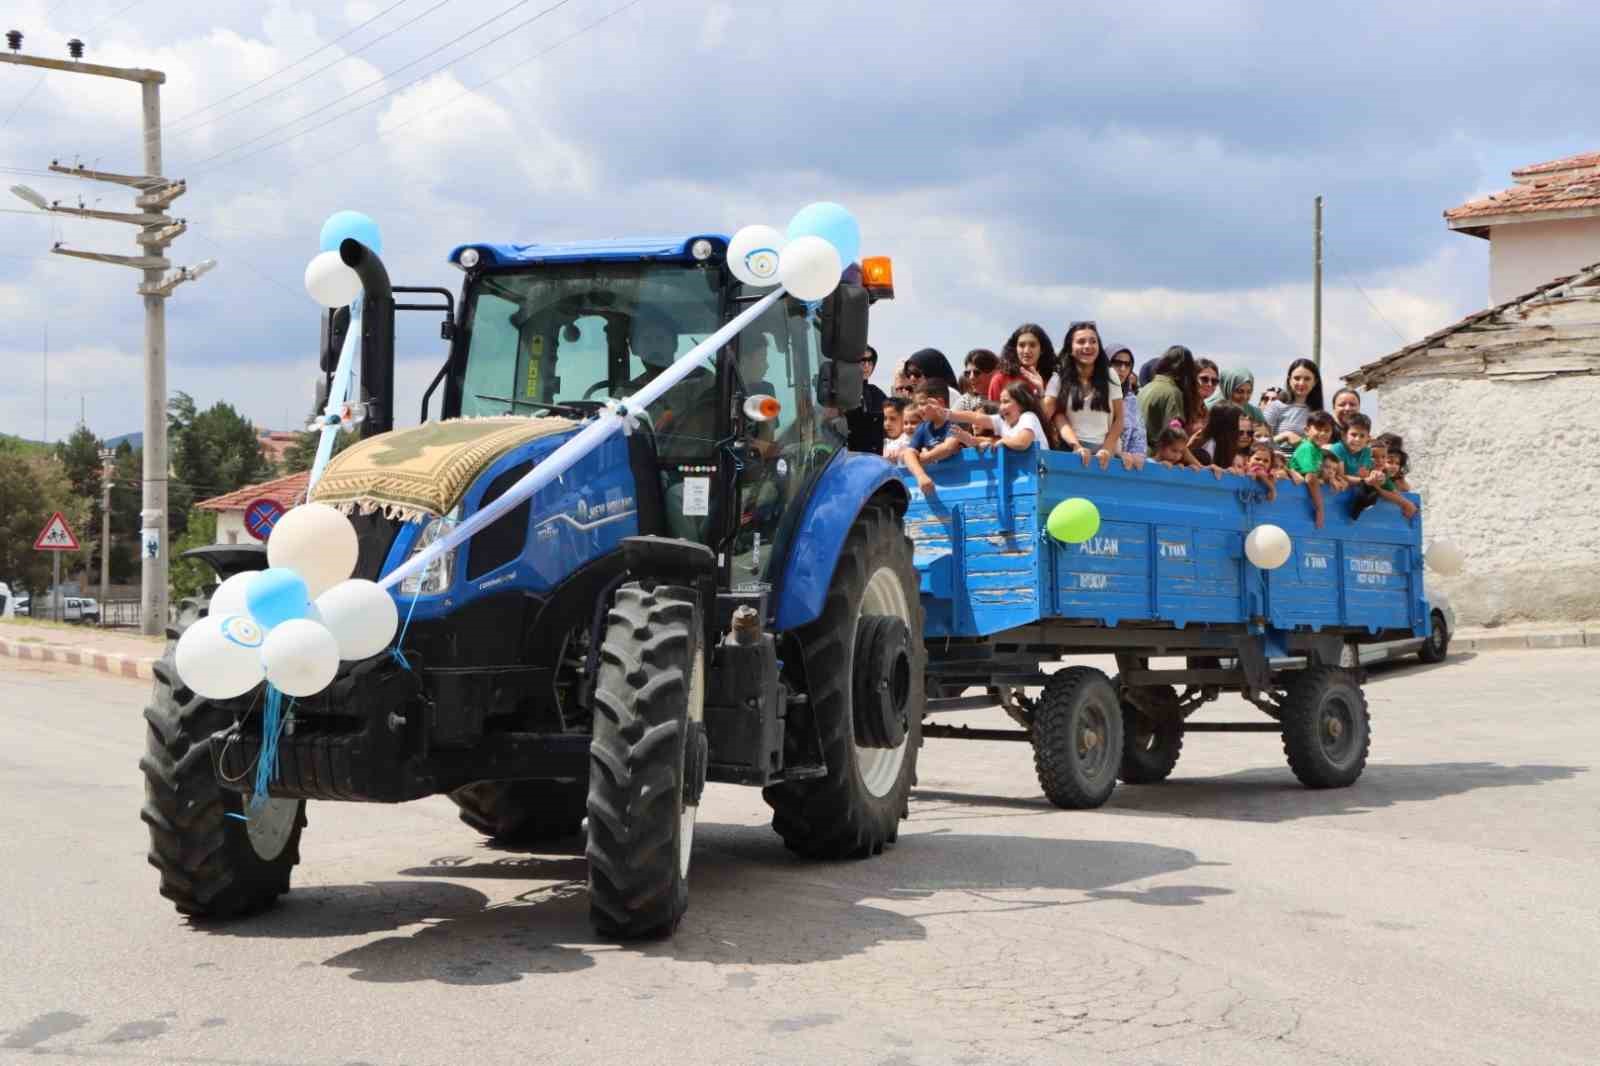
pixel 8 602
pixel 1430 649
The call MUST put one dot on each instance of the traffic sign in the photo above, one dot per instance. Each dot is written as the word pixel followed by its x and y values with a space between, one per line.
pixel 261 516
pixel 56 536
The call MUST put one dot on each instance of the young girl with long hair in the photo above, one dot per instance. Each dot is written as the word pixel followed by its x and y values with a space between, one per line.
pixel 1081 403
pixel 1028 357
pixel 1286 417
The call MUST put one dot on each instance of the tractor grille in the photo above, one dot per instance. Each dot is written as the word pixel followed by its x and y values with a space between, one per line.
pixel 504 538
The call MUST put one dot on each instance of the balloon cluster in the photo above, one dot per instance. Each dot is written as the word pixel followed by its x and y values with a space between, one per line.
pixel 329 281
pixel 822 239
pixel 291 623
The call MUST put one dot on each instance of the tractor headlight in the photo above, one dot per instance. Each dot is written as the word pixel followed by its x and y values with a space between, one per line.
pixel 435 577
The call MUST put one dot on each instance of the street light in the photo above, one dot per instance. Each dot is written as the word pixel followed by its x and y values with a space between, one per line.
pixel 205 266
pixel 22 192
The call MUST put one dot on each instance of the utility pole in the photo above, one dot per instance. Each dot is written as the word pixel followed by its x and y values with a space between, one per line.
pixel 156 231
pixel 108 469
pixel 1316 293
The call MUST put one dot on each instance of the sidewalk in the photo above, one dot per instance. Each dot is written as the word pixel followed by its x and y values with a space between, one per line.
pixel 110 651
pixel 1528 635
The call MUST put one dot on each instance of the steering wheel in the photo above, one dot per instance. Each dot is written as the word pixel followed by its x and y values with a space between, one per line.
pixel 599 386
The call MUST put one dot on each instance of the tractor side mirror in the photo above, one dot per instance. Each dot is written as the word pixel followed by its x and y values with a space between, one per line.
pixel 335 324
pixel 843 316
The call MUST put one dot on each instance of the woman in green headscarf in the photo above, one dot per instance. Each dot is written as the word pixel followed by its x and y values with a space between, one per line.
pixel 1237 387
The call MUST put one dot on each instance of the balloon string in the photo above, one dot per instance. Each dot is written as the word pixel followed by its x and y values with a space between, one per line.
pixel 395 652
pixel 274 717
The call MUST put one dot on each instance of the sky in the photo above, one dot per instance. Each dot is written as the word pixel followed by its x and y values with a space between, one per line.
pixel 1151 167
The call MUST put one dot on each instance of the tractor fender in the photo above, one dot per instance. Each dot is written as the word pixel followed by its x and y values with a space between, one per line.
pixel 840 492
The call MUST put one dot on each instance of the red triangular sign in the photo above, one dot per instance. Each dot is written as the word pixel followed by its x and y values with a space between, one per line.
pixel 56 536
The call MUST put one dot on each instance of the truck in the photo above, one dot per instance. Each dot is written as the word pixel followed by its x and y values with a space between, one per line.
pixel 1166 588
pixel 725 594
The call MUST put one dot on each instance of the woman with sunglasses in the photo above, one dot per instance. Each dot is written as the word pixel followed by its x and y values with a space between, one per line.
pixel 929 364
pixel 1228 433
pixel 1134 441
pixel 1082 405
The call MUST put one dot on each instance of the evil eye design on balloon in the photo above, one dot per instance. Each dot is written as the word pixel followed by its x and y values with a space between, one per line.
pixel 763 263
pixel 242 631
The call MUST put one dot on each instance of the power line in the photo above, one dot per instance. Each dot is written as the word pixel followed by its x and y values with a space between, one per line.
pixel 40 81
pixel 170 126
pixel 1375 309
pixel 379 81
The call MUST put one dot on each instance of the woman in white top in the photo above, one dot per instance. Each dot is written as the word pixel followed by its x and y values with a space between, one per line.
pixel 1018 425
pixel 1080 402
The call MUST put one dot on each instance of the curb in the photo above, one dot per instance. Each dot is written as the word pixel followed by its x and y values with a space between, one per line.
pixel 130 666
pixel 1566 638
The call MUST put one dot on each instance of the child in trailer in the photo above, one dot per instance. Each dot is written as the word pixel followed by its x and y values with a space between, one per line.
pixel 1311 461
pixel 1259 466
pixel 939 436
pixel 897 441
pixel 1018 426
pixel 1172 449
pixel 1280 466
pixel 1356 453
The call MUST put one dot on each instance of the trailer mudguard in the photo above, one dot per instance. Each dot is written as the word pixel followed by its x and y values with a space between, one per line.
pixel 840 491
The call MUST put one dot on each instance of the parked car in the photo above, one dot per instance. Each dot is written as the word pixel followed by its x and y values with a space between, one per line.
pixel 8 605
pixel 22 606
pixel 1431 649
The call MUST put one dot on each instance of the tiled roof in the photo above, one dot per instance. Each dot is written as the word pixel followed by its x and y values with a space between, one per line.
pixel 1568 184
pixel 288 490
pixel 274 442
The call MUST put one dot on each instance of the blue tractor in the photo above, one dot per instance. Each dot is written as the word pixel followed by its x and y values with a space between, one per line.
pixel 724 594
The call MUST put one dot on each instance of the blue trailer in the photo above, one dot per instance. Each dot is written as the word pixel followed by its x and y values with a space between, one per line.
pixel 1164 577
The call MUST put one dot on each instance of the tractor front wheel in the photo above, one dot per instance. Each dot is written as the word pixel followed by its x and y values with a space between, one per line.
pixel 523 812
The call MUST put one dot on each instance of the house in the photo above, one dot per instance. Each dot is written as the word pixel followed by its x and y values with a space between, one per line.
pixel 230 508
pixel 1546 225
pixel 1496 414
pixel 274 443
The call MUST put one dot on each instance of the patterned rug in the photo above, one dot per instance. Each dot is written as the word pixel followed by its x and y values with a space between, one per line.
pixel 425 470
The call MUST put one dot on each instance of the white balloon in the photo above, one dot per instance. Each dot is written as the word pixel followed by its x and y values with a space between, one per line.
pixel 753 255
pixel 330 282
pixel 219 657
pixel 809 268
pixel 300 656
pixel 1444 558
pixel 230 595
pixel 361 616
pixel 316 542
pixel 1268 547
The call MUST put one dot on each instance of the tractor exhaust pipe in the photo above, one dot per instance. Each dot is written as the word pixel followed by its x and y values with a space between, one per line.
pixel 377 336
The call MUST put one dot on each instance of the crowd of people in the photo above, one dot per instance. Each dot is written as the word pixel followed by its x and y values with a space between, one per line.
pixel 1177 410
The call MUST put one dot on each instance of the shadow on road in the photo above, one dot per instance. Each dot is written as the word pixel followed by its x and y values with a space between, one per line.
pixel 751 903
pixel 1273 795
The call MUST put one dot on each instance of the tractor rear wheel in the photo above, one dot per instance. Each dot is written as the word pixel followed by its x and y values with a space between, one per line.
pixel 217 859
pixel 864 660
pixel 523 812
pixel 647 761
pixel 1077 738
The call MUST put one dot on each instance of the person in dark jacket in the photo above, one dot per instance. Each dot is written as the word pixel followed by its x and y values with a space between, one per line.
pixel 866 422
pixel 929 364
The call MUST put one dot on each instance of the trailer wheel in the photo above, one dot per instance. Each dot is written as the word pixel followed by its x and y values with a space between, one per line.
pixel 647 761
pixel 523 812
pixel 1437 645
pixel 1326 729
pixel 217 859
pixel 1077 738
pixel 1151 743
pixel 871 620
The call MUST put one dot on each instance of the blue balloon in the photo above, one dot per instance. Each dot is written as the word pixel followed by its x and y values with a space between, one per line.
pixel 833 224
pixel 277 595
pixel 342 224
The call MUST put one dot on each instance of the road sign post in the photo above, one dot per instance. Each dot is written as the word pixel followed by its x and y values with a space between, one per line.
pixel 261 516
pixel 56 537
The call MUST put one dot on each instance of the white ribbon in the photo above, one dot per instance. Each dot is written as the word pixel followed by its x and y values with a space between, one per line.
pixel 338 393
pixel 610 421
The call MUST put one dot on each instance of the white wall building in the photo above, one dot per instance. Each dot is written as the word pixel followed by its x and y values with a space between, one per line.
pixel 1498 416
pixel 1546 225
pixel 230 508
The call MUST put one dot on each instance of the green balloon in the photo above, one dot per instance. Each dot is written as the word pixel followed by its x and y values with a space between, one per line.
pixel 1074 521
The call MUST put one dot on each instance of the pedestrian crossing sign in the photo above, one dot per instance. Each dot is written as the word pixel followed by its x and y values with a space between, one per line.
pixel 56 536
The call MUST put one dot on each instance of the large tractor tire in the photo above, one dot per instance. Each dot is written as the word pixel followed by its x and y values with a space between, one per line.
pixel 1326 730
pixel 1077 738
pixel 1151 743
pixel 217 859
pixel 523 812
pixel 864 661
pixel 647 761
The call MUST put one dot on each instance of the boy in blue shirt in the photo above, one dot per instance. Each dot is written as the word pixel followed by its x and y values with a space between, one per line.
pixel 938 436
pixel 1356 454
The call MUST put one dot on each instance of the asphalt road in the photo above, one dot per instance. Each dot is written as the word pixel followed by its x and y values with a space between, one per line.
pixel 1444 910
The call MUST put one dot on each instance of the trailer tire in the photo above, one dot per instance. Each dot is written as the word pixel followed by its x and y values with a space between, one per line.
pixel 523 812
pixel 1077 738
pixel 1326 729
pixel 216 859
pixel 647 761
pixel 1150 744
pixel 854 811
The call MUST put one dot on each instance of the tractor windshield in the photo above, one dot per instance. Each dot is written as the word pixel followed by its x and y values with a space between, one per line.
pixel 585 331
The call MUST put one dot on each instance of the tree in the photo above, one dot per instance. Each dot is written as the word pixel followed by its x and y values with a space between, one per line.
pixel 303 452
pixel 213 452
pixel 32 488
pixel 127 500
pixel 189 576
pixel 80 458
